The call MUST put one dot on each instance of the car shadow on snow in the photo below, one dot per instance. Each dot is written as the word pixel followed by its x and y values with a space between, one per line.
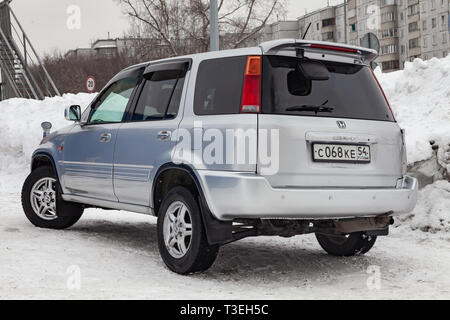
pixel 134 236
pixel 299 257
pixel 251 260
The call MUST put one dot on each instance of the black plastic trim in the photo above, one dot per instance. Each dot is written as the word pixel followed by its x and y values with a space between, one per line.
pixel 44 154
pixel 55 168
pixel 175 64
pixel 217 231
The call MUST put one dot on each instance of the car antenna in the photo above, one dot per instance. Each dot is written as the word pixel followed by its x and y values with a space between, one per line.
pixel 306 32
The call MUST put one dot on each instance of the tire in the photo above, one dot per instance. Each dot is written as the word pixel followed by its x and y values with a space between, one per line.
pixel 58 214
pixel 187 254
pixel 346 246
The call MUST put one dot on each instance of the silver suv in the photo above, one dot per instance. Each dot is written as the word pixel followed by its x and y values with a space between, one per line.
pixel 290 137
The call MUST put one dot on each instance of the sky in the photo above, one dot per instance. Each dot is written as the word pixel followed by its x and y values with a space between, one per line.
pixel 54 25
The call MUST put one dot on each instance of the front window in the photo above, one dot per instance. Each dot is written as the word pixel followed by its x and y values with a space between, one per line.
pixel 111 106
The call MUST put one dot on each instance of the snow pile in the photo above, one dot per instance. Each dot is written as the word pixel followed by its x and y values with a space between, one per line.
pixel 432 212
pixel 20 132
pixel 420 98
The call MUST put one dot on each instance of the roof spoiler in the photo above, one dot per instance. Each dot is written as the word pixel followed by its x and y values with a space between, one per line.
pixel 360 53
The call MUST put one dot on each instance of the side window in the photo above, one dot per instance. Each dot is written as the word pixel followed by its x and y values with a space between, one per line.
pixel 219 86
pixel 161 96
pixel 111 106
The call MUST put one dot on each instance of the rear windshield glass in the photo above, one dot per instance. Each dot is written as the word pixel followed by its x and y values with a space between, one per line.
pixel 350 92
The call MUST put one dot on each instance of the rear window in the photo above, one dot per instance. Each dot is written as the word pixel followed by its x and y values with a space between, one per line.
pixel 350 92
pixel 219 86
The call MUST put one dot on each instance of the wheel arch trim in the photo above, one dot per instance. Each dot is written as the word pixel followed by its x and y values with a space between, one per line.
pixel 217 231
pixel 42 154
pixel 172 166
pixel 49 156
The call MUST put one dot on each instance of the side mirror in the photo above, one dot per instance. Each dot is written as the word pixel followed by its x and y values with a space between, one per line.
pixel 314 70
pixel 73 113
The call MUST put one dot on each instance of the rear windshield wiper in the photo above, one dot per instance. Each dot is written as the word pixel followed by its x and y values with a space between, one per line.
pixel 315 109
pixel 312 108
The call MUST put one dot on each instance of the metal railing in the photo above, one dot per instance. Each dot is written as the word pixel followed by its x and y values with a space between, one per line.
pixel 21 65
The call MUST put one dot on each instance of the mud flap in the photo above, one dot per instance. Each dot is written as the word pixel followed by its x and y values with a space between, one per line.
pixel 217 231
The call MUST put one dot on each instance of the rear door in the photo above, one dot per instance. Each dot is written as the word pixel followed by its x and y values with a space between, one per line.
pixel 333 133
pixel 221 137
pixel 144 143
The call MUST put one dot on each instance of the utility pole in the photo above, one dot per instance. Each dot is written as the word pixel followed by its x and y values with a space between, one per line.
pixel 345 22
pixel 214 23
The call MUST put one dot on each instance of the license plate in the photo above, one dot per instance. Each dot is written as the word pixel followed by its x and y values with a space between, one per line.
pixel 341 153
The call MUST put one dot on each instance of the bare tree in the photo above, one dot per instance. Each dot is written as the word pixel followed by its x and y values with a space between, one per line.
pixel 182 26
pixel 70 72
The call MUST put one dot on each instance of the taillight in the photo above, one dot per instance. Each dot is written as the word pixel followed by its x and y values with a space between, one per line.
pixel 404 153
pixel 251 94
pixel 333 48
pixel 384 95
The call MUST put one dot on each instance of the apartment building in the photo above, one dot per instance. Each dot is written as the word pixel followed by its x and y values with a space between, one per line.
pixel 107 48
pixel 435 20
pixel 340 23
pixel 373 23
pixel 423 29
pixel 280 30
pixel 401 30
pixel 323 26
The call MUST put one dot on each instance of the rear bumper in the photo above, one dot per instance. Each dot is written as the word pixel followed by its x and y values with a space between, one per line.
pixel 232 195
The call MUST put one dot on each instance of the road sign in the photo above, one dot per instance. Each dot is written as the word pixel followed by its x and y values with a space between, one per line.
pixel 371 41
pixel 90 84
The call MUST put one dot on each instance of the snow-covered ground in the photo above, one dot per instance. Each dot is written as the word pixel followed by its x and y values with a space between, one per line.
pixel 116 255
pixel 116 252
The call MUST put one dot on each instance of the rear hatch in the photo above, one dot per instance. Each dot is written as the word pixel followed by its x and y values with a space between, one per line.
pixel 335 133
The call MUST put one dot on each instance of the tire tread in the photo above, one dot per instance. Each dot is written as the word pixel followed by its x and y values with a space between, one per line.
pixel 357 244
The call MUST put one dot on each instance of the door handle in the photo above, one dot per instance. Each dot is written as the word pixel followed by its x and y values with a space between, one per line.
pixel 164 135
pixel 105 138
